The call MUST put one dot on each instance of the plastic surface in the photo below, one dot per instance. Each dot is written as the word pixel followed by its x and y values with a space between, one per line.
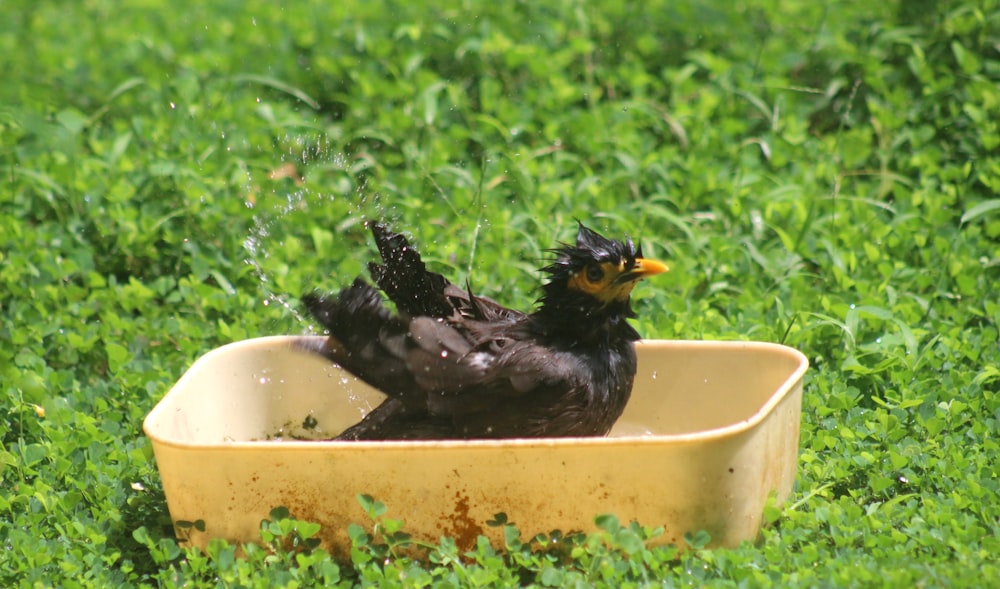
pixel 712 428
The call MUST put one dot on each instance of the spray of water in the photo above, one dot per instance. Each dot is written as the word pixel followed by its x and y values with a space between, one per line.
pixel 280 213
pixel 255 245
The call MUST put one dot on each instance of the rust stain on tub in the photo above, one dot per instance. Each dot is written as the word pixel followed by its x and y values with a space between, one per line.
pixel 460 525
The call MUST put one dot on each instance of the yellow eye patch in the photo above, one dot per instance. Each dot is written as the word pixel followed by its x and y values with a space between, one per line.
pixel 598 280
pixel 608 282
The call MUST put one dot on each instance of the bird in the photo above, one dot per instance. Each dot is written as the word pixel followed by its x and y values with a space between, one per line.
pixel 456 365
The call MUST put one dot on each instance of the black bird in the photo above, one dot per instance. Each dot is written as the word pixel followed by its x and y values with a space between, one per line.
pixel 457 365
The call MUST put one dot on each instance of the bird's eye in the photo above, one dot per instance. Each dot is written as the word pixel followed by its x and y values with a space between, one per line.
pixel 594 273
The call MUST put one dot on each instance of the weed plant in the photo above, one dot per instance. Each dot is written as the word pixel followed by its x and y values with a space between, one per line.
pixel 824 175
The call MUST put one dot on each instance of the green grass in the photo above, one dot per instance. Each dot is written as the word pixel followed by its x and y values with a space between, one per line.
pixel 825 175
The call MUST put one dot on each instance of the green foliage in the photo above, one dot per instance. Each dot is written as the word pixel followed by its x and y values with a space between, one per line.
pixel 287 555
pixel 820 174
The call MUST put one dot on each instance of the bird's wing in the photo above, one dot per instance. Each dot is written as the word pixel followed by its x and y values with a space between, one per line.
pixel 461 378
pixel 417 358
pixel 457 366
pixel 404 277
pixel 417 291
pixel 365 338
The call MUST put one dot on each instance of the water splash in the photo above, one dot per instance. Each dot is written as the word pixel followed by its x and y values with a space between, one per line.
pixel 255 245
pixel 280 213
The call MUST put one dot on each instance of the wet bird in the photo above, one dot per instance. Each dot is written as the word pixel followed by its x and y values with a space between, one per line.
pixel 455 365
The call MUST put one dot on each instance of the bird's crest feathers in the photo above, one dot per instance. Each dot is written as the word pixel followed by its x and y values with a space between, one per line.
pixel 603 269
pixel 592 247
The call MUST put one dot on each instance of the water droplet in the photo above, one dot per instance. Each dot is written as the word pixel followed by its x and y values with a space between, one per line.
pixel 444 353
pixel 654 375
pixel 264 380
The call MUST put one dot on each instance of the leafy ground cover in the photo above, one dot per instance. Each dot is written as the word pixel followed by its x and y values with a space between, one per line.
pixel 821 174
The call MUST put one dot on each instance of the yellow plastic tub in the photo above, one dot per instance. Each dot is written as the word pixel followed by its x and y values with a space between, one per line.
pixel 711 430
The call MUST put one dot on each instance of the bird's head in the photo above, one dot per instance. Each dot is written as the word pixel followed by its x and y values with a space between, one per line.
pixel 597 272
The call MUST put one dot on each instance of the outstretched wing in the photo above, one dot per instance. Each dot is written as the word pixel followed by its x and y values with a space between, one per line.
pixel 450 361
pixel 430 363
pixel 417 292
pixel 404 277
pixel 363 337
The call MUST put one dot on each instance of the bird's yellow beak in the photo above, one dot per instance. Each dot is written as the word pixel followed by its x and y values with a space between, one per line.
pixel 646 267
pixel 643 267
